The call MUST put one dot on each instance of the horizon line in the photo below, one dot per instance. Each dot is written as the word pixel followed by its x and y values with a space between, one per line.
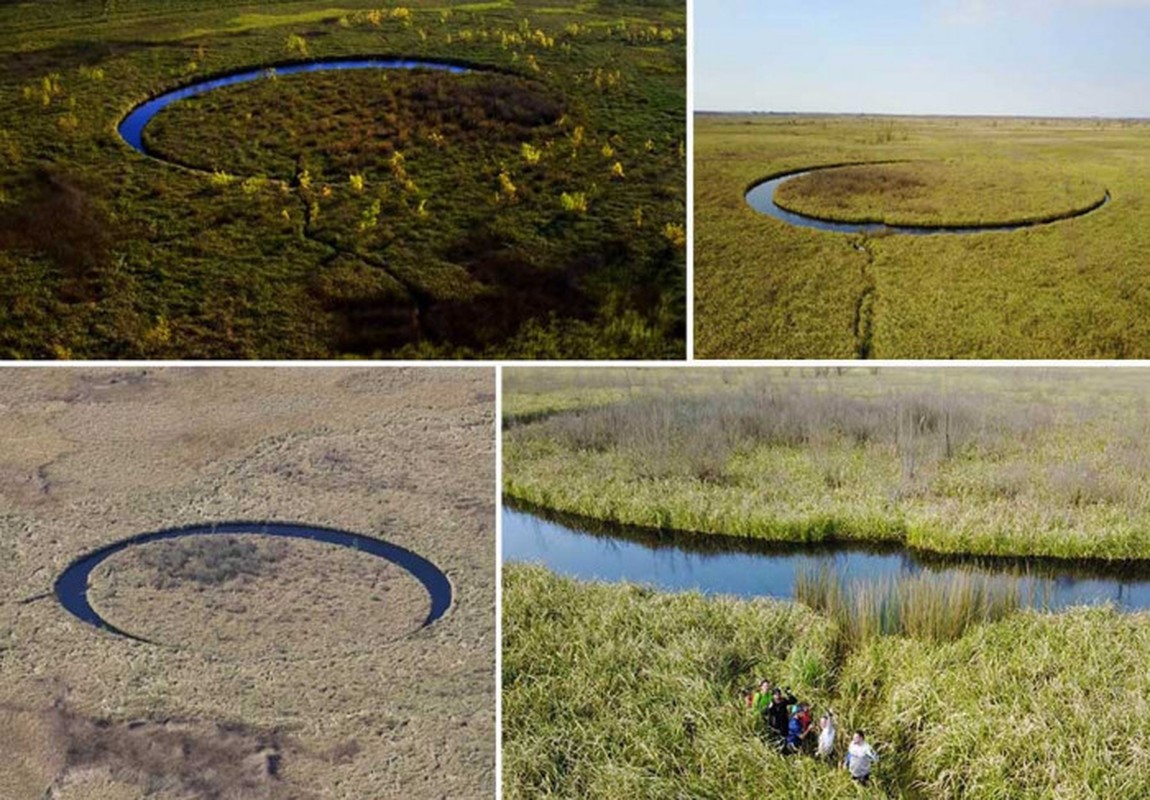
pixel 922 114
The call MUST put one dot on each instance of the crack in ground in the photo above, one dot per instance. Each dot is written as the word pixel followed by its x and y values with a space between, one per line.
pixel 863 325
pixel 420 300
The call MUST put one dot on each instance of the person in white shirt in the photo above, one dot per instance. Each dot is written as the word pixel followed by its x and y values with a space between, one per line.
pixel 860 757
pixel 826 747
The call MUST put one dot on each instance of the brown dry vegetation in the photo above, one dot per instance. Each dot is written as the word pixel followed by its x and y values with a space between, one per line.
pixel 210 594
pixel 942 193
pixel 95 757
pixel 357 702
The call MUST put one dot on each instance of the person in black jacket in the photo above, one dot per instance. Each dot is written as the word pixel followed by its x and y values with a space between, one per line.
pixel 777 716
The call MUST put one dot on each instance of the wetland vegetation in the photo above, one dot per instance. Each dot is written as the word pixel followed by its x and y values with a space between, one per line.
pixel 951 194
pixel 995 462
pixel 1071 289
pixel 620 691
pixel 966 682
pixel 533 208
pixel 259 651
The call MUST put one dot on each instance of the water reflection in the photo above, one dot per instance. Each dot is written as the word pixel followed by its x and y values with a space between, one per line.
pixel 717 564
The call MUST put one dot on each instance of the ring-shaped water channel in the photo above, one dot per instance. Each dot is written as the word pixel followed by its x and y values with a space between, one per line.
pixel 761 197
pixel 71 587
pixel 132 126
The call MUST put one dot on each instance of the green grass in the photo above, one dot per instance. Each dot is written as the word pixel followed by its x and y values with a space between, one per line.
pixel 766 289
pixel 104 253
pixel 985 462
pixel 600 681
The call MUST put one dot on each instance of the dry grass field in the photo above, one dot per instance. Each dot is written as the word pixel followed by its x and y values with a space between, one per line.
pixel 283 668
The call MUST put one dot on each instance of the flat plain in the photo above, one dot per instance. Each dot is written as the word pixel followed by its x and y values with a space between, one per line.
pixel 276 668
pixel 1070 289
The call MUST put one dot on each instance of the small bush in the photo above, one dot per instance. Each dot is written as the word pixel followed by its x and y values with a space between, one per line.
pixel 575 203
pixel 296 45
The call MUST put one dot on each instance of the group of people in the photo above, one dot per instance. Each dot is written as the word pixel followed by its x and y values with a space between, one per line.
pixel 790 724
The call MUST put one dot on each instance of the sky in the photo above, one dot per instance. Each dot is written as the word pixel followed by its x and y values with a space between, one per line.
pixel 1002 57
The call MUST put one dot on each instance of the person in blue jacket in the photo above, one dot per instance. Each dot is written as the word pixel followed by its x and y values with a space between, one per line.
pixel 798 728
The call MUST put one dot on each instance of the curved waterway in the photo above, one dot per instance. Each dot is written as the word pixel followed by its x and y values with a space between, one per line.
pixel 72 586
pixel 715 564
pixel 131 128
pixel 761 197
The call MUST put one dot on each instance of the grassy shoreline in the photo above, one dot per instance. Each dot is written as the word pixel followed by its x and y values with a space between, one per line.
pixel 1011 465
pixel 619 691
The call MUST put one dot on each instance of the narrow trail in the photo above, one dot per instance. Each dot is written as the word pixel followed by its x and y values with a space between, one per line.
pixel 863 325
pixel 34 598
pixel 420 300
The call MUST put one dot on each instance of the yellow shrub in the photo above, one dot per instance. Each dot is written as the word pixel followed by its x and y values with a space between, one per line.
pixel 296 45
pixel 575 203
pixel 676 234
pixel 506 186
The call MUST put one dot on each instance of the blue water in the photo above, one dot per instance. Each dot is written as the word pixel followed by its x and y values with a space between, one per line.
pixel 72 586
pixel 744 568
pixel 761 197
pixel 132 126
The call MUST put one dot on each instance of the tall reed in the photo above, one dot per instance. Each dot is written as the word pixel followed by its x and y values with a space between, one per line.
pixel 922 606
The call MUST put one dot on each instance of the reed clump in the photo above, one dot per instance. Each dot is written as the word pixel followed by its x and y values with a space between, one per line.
pixel 923 606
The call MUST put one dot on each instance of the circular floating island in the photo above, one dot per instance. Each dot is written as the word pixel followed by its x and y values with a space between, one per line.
pixel 924 197
pixel 252 588
pixel 335 119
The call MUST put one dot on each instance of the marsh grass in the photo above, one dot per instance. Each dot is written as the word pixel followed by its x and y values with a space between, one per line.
pixel 619 692
pixel 599 683
pixel 1000 463
pixel 765 289
pixel 696 437
pixel 923 606
pixel 942 193
pixel 242 269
